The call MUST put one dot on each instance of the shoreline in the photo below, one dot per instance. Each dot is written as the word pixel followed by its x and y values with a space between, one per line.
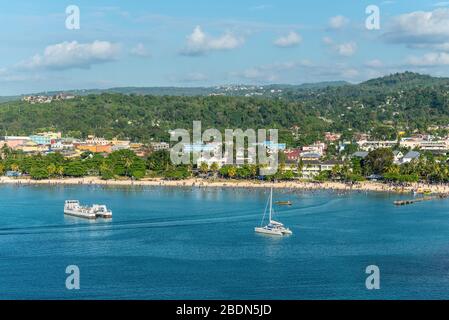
pixel 366 186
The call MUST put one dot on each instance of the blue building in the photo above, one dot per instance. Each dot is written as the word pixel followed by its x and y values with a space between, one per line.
pixel 41 140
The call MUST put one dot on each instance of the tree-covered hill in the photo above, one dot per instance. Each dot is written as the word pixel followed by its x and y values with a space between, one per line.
pixel 381 106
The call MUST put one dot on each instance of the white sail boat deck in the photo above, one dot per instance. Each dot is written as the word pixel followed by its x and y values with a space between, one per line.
pixel 274 228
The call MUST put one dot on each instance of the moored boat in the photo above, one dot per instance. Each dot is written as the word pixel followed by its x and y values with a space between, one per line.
pixel 284 203
pixel 74 208
pixel 274 228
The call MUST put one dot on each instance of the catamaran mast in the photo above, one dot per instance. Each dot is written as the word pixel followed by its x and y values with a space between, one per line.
pixel 271 201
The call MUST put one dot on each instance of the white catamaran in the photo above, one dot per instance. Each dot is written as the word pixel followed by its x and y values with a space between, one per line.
pixel 74 208
pixel 273 228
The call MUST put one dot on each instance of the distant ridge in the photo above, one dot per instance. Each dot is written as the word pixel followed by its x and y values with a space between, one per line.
pixel 228 90
pixel 404 80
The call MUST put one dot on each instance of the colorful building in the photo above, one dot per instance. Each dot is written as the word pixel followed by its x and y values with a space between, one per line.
pixel 95 148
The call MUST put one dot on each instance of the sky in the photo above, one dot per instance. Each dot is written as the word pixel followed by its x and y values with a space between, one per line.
pixel 207 43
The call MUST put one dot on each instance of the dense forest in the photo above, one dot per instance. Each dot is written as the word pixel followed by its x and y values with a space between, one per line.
pixel 408 102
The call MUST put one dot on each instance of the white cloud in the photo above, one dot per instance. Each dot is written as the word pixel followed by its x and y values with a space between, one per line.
pixel 338 22
pixel 430 59
pixel 419 28
pixel 140 51
pixel 290 40
pixel 199 43
pixel 300 72
pixel 68 55
pixel 345 49
pixel 375 63
pixel 328 41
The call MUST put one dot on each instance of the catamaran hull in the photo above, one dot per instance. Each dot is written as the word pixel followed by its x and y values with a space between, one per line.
pixel 269 232
pixel 105 215
pixel 80 215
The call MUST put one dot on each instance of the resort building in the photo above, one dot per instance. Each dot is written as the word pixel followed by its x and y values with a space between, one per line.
pixel 95 148
pixel 42 139
pixel 317 147
pixel 310 156
pixel 32 147
pixel 116 142
pixel 313 168
pixel 93 140
pixel 365 145
pixel 158 146
pixel 14 141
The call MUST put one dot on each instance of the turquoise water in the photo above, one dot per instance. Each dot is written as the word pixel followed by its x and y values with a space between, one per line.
pixel 169 243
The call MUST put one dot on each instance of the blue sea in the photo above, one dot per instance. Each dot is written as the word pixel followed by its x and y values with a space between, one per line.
pixel 190 243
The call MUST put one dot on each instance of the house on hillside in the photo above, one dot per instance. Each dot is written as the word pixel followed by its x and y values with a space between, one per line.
pixel 398 155
pixel 360 154
pixel 409 157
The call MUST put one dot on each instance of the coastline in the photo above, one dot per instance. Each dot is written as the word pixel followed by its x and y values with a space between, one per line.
pixel 366 186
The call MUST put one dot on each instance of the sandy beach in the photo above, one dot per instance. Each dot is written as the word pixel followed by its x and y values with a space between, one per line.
pixel 201 183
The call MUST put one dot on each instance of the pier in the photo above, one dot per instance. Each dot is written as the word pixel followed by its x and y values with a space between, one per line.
pixel 413 201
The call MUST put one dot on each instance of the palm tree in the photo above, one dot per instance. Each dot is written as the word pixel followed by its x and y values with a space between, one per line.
pixel 204 168
pixel 51 169
pixel 300 166
pixel 253 170
pixel 214 167
pixel 232 172
pixel 128 162
pixel 60 171
pixel 394 169
pixel 15 167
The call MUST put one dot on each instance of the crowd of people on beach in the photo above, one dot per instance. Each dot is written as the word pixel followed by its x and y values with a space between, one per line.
pixel 366 186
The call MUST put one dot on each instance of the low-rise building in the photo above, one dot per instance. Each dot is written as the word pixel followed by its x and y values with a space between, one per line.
pixel 33 147
pixel 317 147
pixel 14 141
pixel 332 137
pixel 310 156
pixel 409 157
pixel 365 145
pixel 292 155
pixel 360 154
pixel 313 168
pixel 398 155
pixel 94 148
pixel 158 146
pixel 93 140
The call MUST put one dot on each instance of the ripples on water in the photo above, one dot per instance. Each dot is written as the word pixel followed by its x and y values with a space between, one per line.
pixel 199 243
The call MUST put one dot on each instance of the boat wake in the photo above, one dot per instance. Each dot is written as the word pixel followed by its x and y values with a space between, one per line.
pixel 123 225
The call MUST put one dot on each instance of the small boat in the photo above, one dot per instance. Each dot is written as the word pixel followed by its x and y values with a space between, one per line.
pixel 273 228
pixel 284 203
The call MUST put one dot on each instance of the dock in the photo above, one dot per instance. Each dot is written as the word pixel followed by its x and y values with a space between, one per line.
pixel 413 201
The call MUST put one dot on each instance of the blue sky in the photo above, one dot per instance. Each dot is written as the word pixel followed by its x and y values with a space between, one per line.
pixel 202 43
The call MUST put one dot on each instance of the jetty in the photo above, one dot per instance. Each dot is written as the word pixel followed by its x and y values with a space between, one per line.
pixel 412 201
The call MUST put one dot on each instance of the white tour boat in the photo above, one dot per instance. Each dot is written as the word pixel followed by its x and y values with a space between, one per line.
pixel 74 208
